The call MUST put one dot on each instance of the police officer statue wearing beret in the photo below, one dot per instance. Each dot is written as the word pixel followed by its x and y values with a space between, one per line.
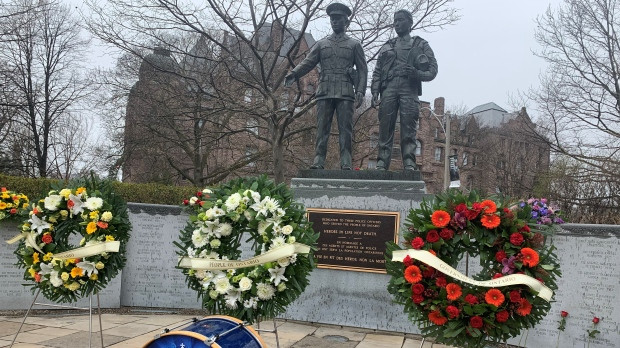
pixel 403 63
pixel 340 85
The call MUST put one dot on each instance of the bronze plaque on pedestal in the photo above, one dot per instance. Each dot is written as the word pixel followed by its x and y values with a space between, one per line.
pixel 353 240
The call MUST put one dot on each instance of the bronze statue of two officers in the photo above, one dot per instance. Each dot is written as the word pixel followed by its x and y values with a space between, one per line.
pixel 403 63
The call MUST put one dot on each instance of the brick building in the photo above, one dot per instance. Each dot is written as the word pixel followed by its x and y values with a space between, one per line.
pixel 198 122
pixel 496 151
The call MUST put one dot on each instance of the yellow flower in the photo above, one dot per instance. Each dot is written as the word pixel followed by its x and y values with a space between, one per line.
pixel 80 190
pixel 106 216
pixel 109 238
pixel 16 201
pixel 64 214
pixel 5 195
pixel 76 272
pixel 2 205
pixel 94 215
pixel 99 265
pixel 69 261
pixel 47 257
pixel 9 205
pixel 26 227
pixel 32 272
pixel 73 286
pixel 64 276
pixel 52 219
pixel 25 198
pixel 35 258
pixel 65 193
pixel 91 228
pixel 25 206
pixel 94 277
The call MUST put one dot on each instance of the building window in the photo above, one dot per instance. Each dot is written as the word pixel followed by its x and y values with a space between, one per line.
pixel 249 152
pixel 474 159
pixel 465 158
pixel 252 125
pixel 418 148
pixel 372 164
pixel 438 151
pixel 436 132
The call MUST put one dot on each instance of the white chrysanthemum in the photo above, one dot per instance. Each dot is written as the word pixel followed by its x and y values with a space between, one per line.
pixel 279 213
pixel 283 262
pixel 219 211
pixel 55 279
pixel 265 291
pixel 207 191
pixel 209 255
pixel 245 284
pixel 231 303
pixel 293 258
pixel 106 216
pixel 291 240
pixel 259 208
pixel 215 243
pixel 286 230
pixel 52 202
pixel 233 201
pixel 94 203
pixel 277 242
pixel 191 252
pixel 198 239
pixel 222 285
pixel 250 303
pixel 262 227
pixel 277 275
pixel 271 204
pixel 224 229
pixel 200 274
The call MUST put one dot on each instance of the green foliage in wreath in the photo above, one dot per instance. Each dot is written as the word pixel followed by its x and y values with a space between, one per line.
pixel 506 239
pixel 264 215
pixel 89 208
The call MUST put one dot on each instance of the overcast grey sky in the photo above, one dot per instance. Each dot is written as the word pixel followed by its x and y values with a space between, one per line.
pixel 487 55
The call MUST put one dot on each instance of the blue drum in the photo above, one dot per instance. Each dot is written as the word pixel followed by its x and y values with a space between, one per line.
pixel 217 331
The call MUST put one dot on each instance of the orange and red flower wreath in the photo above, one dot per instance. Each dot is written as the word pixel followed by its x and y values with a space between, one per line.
pixel 507 241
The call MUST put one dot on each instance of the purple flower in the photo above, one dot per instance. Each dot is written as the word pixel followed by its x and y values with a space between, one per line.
pixel 509 265
pixel 459 220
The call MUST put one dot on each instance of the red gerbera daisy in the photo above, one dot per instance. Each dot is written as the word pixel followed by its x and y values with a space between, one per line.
pixel 440 218
pixel 454 291
pixel 494 297
pixel 413 274
pixel 488 206
pixel 437 318
pixel 529 257
pixel 490 221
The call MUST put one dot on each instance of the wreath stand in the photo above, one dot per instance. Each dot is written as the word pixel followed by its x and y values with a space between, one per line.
pixel 273 331
pixel 90 316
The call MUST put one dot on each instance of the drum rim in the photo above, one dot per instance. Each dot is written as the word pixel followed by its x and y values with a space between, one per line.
pixel 204 338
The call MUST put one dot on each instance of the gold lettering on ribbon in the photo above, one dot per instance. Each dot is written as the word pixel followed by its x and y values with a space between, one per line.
pixel 513 279
pixel 271 255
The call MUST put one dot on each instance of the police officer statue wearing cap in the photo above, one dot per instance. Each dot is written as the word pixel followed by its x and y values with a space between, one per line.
pixel 403 63
pixel 340 86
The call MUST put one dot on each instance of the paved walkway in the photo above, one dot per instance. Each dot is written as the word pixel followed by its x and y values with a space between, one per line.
pixel 136 329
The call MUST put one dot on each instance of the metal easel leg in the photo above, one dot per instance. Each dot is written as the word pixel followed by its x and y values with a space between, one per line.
pixel 100 325
pixel 25 317
pixel 90 321
pixel 275 331
pixel 422 344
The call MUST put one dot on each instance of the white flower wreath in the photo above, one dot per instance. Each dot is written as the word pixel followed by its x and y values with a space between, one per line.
pixel 282 242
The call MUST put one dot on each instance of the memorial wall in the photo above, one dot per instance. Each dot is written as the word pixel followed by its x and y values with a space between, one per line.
pixel 588 255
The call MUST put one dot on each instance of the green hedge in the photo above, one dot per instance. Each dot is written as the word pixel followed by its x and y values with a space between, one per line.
pixel 138 193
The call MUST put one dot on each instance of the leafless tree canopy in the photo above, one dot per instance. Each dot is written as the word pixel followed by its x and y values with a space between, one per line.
pixel 579 98
pixel 253 44
pixel 39 58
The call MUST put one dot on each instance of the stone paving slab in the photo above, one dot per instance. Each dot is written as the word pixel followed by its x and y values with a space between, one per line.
pixel 82 337
pixel 9 328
